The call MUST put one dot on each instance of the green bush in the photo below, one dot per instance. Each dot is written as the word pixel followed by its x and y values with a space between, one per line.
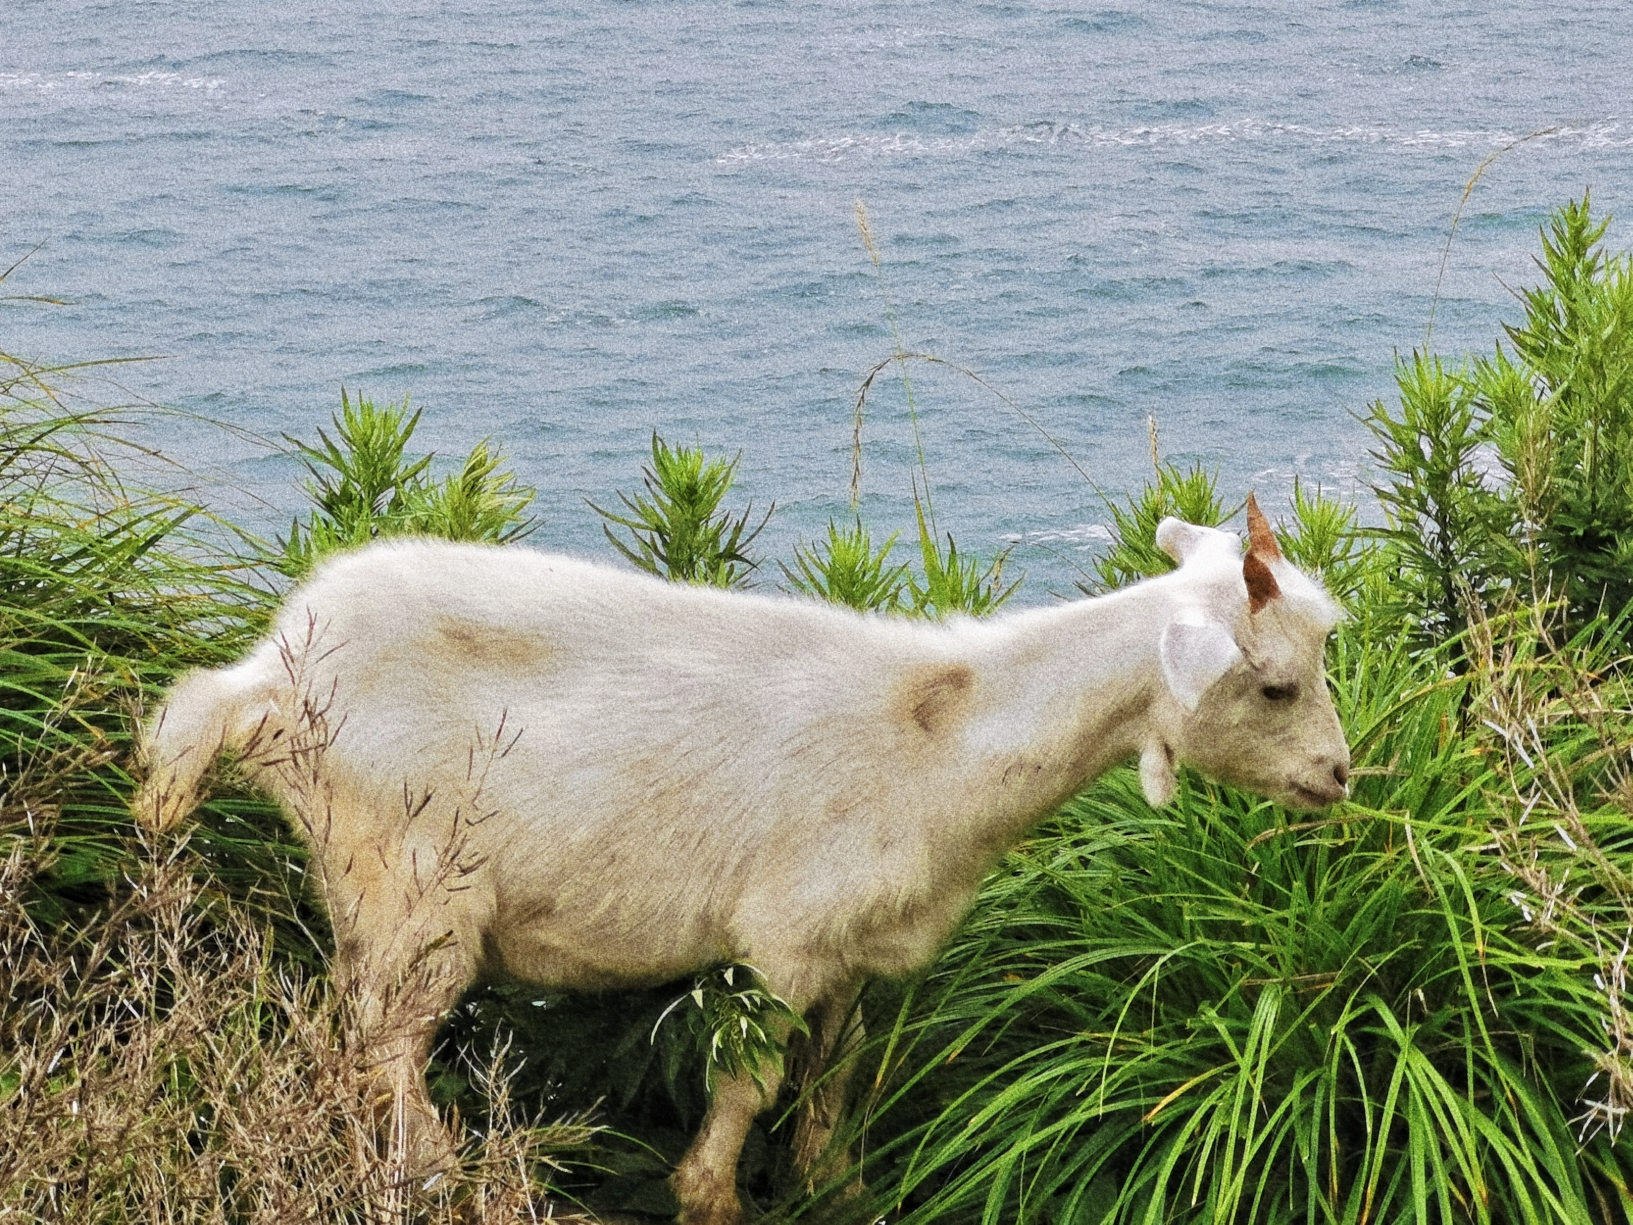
pixel 1561 412
pixel 951 584
pixel 365 486
pixel 1513 474
pixel 1325 540
pixel 1323 537
pixel 846 569
pixel 677 529
pixel 1133 553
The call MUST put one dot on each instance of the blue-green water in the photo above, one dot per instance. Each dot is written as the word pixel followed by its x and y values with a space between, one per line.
pixel 565 226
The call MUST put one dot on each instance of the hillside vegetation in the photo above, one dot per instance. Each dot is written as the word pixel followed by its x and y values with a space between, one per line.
pixel 1412 1007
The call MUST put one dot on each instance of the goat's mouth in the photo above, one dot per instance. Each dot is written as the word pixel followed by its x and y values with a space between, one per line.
pixel 1309 797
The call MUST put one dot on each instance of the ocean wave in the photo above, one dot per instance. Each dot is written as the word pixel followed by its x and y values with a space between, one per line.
pixel 838 148
pixel 83 82
pixel 1079 536
pixel 1595 134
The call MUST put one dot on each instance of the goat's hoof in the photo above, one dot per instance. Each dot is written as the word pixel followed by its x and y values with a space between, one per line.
pixel 704 1200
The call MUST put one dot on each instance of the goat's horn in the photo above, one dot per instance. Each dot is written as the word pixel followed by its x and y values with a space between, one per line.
pixel 1262 539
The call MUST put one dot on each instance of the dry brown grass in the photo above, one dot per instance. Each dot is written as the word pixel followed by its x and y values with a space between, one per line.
pixel 158 1064
pixel 161 1058
pixel 1560 724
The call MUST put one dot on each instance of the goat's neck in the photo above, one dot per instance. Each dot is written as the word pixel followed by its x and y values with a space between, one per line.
pixel 1069 692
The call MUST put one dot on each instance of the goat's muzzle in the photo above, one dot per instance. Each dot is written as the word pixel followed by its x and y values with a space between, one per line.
pixel 1323 786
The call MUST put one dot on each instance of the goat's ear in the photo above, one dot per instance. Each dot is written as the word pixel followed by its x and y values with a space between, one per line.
pixel 1195 651
pixel 1262 550
pixel 1261 536
pixel 1261 584
pixel 1178 538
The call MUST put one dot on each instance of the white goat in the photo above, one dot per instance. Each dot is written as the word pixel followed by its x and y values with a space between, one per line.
pixel 513 762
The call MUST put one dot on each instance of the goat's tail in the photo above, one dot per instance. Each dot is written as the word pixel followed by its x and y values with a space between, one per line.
pixel 204 713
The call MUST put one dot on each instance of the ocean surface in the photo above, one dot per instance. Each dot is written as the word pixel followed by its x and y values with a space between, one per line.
pixel 566 226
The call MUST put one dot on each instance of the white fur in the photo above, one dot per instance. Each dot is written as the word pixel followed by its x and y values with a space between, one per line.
pixel 535 765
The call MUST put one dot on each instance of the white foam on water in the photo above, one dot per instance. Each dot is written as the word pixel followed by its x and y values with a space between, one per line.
pixel 1606 133
pixel 1080 536
pixel 85 82
pixel 838 148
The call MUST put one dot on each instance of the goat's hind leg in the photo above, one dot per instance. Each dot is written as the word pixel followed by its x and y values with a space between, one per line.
pixel 402 962
pixel 820 1066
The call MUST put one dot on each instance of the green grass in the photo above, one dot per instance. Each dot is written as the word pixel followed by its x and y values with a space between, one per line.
pixel 1218 1012
pixel 364 485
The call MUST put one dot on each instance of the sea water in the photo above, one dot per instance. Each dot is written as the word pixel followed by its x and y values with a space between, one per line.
pixel 566 226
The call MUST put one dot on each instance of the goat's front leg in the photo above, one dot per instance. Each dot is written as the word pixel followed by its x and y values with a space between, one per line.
pixel 706 1180
pixel 820 1066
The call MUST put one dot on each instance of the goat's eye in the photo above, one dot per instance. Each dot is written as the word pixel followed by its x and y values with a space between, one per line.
pixel 1279 693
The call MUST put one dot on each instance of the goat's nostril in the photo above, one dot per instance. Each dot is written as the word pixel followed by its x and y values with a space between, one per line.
pixel 1341 773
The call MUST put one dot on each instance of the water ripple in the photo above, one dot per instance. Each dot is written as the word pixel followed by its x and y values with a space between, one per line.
pixel 89 82
pixel 1598 134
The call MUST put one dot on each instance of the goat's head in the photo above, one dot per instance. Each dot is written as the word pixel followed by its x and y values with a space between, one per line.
pixel 1242 660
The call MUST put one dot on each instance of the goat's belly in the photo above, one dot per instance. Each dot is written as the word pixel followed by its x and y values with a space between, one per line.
pixel 590 926
pixel 565 954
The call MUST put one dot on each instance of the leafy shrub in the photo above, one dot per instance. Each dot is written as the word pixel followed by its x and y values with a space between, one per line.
pixel 1133 553
pixel 1323 536
pixel 1561 413
pixel 1515 474
pixel 677 528
pixel 735 1022
pixel 953 584
pixel 846 569
pixel 1325 540
pixel 1445 522
pixel 365 486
